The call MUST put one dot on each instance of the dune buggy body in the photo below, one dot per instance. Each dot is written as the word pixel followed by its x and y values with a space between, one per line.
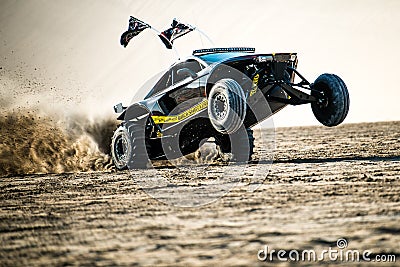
pixel 213 93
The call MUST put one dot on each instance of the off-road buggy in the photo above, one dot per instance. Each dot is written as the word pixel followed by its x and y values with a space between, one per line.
pixel 219 94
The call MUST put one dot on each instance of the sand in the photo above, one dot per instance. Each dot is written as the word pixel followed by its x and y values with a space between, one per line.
pixel 324 184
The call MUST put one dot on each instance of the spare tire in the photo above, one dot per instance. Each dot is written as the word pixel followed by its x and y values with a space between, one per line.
pixel 226 106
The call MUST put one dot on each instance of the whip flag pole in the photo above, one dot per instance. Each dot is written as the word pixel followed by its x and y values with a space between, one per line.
pixel 135 27
pixel 177 30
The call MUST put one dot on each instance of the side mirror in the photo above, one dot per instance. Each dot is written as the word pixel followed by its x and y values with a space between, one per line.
pixel 118 108
pixel 186 72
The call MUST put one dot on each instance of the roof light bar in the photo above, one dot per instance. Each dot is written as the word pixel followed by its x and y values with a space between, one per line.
pixel 223 50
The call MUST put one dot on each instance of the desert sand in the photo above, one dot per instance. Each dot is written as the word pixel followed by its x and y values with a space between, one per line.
pixel 62 202
pixel 324 184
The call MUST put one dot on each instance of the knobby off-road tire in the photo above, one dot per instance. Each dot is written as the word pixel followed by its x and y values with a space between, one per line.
pixel 236 147
pixel 128 148
pixel 226 106
pixel 332 109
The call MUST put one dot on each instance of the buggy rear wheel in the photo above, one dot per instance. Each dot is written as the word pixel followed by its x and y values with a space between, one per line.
pixel 128 149
pixel 242 149
pixel 333 101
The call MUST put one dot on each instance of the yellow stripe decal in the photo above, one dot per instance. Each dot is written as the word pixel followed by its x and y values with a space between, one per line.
pixel 187 113
pixel 255 84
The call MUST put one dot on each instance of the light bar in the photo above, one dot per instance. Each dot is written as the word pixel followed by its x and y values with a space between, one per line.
pixel 223 50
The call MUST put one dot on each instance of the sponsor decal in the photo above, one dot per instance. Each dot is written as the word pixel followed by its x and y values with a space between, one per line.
pixel 255 83
pixel 186 114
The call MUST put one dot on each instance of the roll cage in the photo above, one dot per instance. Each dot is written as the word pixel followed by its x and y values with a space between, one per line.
pixel 173 77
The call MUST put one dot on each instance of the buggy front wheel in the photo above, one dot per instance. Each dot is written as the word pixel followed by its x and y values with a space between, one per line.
pixel 333 101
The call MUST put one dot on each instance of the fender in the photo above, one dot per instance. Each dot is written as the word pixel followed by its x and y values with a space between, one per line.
pixel 136 111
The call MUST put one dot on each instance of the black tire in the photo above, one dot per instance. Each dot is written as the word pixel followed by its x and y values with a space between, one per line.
pixel 226 106
pixel 128 149
pixel 332 108
pixel 243 146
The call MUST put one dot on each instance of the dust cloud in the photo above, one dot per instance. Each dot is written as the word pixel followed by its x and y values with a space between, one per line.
pixel 40 138
pixel 42 144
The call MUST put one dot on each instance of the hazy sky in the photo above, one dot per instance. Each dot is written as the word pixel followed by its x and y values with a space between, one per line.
pixel 71 48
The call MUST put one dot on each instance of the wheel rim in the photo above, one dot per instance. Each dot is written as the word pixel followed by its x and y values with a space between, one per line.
pixel 323 100
pixel 120 150
pixel 220 106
